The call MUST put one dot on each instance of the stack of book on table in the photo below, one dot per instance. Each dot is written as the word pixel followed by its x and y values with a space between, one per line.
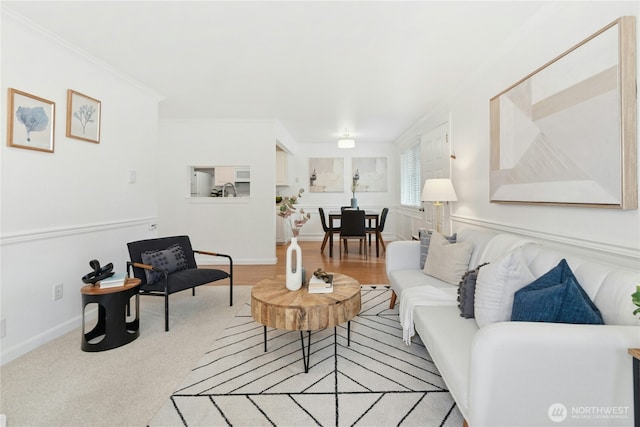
pixel 117 279
pixel 319 286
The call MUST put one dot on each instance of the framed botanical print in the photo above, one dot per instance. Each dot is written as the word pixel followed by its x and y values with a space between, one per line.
pixel 31 122
pixel 83 117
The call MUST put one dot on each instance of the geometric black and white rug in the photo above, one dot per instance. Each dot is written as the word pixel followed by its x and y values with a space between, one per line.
pixel 377 381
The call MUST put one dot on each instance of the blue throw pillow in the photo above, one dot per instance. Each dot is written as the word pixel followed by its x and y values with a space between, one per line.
pixel 555 297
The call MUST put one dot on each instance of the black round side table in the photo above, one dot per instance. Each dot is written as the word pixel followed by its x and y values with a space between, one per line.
pixel 112 317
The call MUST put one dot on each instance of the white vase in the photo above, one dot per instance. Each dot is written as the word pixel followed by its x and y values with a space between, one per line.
pixel 294 275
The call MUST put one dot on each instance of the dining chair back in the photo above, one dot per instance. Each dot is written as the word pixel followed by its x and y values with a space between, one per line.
pixel 352 226
pixel 326 229
pixel 377 231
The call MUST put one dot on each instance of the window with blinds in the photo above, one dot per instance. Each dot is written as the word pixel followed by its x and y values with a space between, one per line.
pixel 410 176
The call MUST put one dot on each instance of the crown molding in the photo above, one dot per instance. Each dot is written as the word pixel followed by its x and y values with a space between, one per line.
pixel 5 11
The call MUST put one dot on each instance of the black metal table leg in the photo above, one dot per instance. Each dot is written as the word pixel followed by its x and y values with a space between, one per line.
pixel 349 333
pixel 265 338
pixel 636 391
pixel 306 356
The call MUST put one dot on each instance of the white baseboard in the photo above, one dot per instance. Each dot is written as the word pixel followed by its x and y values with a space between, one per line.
pixel 40 339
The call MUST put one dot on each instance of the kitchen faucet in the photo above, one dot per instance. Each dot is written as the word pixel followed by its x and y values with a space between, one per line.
pixel 235 193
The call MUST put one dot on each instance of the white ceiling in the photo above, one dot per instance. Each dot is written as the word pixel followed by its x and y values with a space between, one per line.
pixel 374 68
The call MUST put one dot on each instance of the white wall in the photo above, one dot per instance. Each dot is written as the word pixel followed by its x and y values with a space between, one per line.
pixel 60 210
pixel 560 26
pixel 241 227
pixel 312 230
pixel 245 227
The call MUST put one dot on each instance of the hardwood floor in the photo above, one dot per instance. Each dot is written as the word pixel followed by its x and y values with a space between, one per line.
pixel 368 272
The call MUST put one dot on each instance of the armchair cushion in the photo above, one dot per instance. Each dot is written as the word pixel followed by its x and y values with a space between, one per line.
pixel 171 259
pixel 186 279
pixel 556 297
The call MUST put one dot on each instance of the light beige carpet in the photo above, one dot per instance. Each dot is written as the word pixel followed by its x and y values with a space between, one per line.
pixel 60 385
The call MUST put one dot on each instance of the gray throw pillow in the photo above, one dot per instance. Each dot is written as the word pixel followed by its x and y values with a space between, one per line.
pixel 466 292
pixel 425 240
pixel 171 259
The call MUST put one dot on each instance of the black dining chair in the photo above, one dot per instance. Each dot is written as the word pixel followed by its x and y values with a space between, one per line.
pixel 352 226
pixel 326 229
pixel 377 231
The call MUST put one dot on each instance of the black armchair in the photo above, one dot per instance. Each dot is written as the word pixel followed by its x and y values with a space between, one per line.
pixel 167 265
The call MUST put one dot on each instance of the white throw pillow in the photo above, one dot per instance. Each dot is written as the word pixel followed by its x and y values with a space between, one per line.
pixel 447 261
pixel 495 286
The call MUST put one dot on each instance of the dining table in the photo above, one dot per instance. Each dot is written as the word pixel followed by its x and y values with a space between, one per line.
pixel 371 217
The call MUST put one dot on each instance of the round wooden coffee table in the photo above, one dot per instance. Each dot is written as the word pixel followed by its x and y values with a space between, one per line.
pixel 273 305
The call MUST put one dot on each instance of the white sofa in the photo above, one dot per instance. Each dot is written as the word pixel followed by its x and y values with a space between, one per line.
pixel 526 373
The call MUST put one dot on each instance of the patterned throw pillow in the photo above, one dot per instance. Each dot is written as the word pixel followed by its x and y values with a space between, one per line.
pixel 466 292
pixel 171 259
pixel 425 240
pixel 496 284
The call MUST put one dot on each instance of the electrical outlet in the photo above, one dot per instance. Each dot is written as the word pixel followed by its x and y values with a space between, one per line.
pixel 3 327
pixel 57 291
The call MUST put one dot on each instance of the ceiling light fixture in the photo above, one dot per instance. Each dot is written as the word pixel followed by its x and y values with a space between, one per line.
pixel 346 141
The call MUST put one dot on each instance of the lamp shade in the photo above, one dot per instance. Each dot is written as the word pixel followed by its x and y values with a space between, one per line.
pixel 438 190
pixel 346 141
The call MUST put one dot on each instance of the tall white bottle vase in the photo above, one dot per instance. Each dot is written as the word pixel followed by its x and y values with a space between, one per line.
pixel 294 276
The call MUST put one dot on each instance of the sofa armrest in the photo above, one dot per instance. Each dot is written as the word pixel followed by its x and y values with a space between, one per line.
pixel 402 255
pixel 518 370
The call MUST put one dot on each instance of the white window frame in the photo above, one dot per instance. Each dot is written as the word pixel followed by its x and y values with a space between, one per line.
pixel 410 176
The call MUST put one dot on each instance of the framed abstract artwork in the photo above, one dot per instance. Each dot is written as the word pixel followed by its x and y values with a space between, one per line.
pixel 31 122
pixel 566 133
pixel 326 175
pixel 83 117
pixel 371 172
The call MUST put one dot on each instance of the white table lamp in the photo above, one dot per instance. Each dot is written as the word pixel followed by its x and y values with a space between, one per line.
pixel 438 191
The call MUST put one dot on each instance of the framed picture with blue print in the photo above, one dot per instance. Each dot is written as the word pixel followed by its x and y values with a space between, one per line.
pixel 31 122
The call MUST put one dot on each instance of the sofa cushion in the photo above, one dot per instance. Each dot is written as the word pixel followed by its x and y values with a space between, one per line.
pixel 171 259
pixel 447 261
pixel 495 286
pixel 401 280
pixel 466 292
pixel 448 338
pixel 556 297
pixel 425 240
